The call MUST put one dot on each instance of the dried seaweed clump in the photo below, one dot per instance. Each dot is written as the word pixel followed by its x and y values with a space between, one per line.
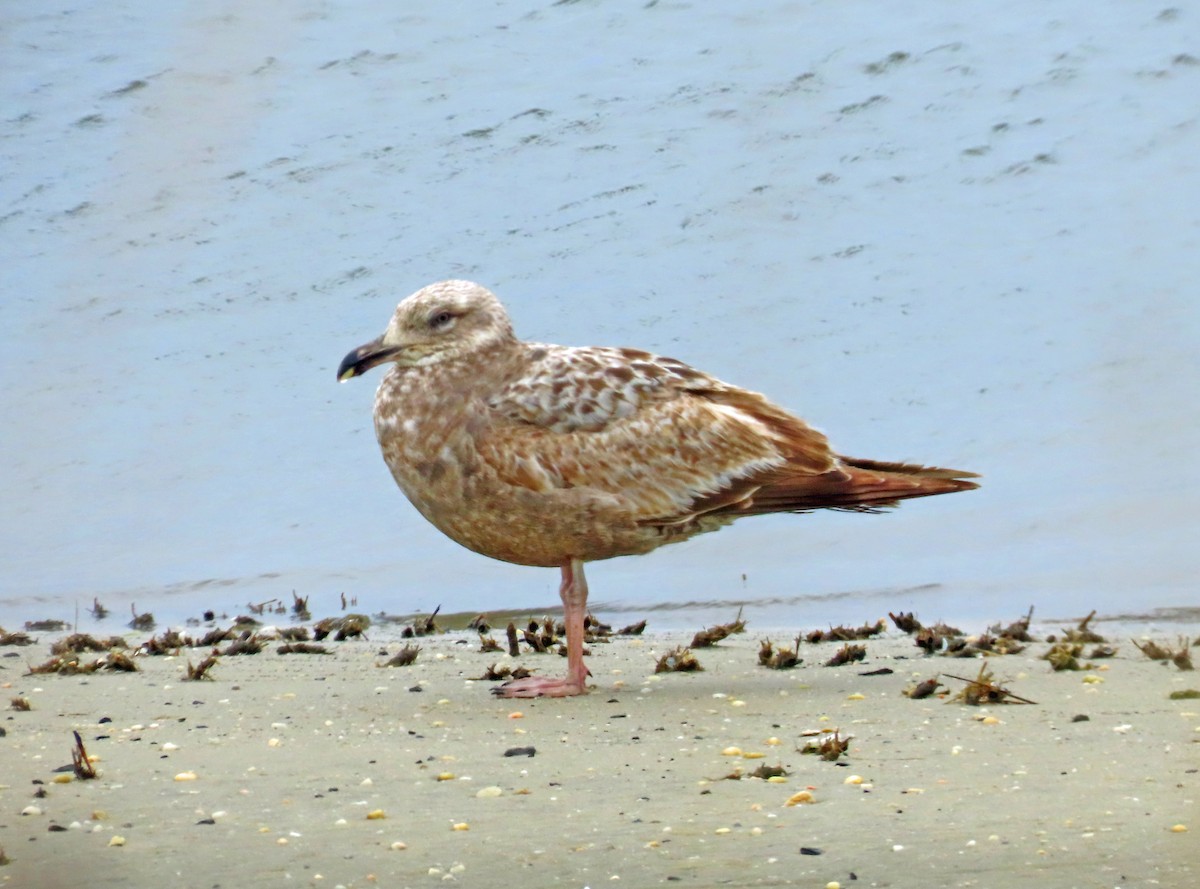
pixel 594 629
pixel 404 657
pixel 20 703
pixel 933 639
pixel 169 642
pixel 495 673
pixel 778 658
pixel 830 748
pixel 1180 657
pixel 82 763
pixel 845 634
pixel 983 689
pixel 51 625
pixel 847 654
pixel 906 622
pixel 1065 656
pixel 342 628
pixel 923 689
pixel 300 607
pixel 246 643
pixel 678 660
pixel 216 637
pixel 982 645
pixel 423 626
pixel 7 638
pixel 1081 632
pixel 70 665
pixel 707 638
pixel 200 671
pixel 79 643
pixel 488 643
pixel 633 629
pixel 1017 631
pixel 541 638
pixel 302 648
pixel 144 621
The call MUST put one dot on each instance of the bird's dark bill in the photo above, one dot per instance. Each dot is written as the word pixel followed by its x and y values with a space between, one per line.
pixel 364 358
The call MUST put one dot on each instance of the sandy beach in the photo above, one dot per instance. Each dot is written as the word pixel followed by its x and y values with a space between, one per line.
pixel 332 770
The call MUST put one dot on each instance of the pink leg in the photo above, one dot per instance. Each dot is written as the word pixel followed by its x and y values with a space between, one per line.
pixel 574 598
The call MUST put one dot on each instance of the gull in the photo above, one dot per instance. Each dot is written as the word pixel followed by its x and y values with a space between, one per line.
pixel 556 456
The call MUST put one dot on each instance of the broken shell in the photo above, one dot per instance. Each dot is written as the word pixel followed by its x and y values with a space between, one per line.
pixel 803 798
pixel 186 776
pixel 1178 828
pixel 853 779
pixel 488 792
pixel 117 841
pixel 462 825
pixel 856 697
pixel 376 815
pixel 732 751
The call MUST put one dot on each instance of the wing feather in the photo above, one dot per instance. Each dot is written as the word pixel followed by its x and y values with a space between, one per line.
pixel 668 441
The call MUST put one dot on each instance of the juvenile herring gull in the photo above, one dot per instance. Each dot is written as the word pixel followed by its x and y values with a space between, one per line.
pixel 557 455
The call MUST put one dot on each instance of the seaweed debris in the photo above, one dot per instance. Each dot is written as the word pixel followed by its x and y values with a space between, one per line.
pixel 678 660
pixel 404 657
pixel 984 690
pixel 778 658
pixel 709 637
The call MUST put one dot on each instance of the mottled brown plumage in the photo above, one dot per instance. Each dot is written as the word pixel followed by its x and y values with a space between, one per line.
pixel 555 455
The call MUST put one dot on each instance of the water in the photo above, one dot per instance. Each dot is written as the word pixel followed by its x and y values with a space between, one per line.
pixel 991 267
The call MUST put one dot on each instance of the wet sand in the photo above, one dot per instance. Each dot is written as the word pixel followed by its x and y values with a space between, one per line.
pixel 292 755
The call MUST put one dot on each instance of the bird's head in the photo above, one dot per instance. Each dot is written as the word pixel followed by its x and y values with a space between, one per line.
pixel 441 322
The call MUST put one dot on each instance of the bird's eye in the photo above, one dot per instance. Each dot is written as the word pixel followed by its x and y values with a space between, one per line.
pixel 441 320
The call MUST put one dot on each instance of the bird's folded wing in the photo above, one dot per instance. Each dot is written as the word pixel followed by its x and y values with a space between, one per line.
pixel 668 440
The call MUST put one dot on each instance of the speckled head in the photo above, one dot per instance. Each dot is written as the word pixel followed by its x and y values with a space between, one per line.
pixel 441 322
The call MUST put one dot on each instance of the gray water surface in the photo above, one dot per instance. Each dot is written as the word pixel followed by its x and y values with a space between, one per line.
pixel 939 233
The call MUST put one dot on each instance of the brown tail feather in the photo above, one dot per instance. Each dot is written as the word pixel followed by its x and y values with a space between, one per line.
pixel 859 485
